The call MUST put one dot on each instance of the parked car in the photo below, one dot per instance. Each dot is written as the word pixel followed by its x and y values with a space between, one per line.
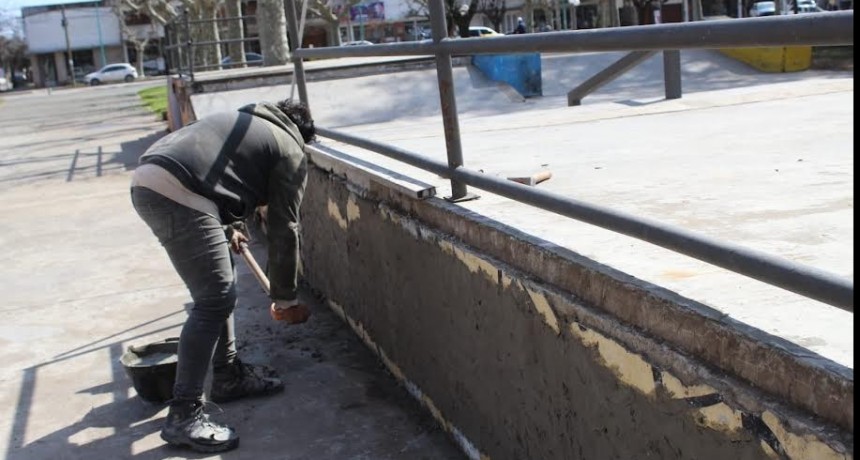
pixel 759 9
pixel 481 31
pixel 808 6
pixel 110 73
pixel 5 85
pixel 251 59
pixel 358 43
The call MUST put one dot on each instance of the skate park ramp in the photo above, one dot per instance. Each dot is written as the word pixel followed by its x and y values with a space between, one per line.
pixel 758 159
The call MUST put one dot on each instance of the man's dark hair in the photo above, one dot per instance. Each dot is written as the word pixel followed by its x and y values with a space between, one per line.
pixel 299 114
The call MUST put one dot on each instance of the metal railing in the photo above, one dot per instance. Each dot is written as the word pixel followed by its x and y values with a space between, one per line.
pixel 181 45
pixel 820 29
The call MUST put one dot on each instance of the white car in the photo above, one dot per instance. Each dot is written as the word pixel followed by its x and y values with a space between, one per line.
pixel 481 31
pixel 808 6
pixel 112 72
pixel 760 9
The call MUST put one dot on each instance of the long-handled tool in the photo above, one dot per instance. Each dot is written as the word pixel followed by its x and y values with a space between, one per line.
pixel 255 268
pixel 294 315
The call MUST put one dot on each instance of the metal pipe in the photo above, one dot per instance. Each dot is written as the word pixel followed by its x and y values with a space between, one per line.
pixel 189 45
pixel 615 70
pixel 231 18
pixel 447 98
pixel 295 47
pixel 672 73
pixel 833 28
pixel 807 281
pixel 227 41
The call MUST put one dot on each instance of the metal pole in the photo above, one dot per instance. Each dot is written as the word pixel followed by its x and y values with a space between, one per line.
pixel 70 61
pixel 445 77
pixel 672 73
pixel 294 43
pixel 101 41
pixel 189 45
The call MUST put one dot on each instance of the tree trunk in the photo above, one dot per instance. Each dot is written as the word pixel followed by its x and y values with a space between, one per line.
pixel 272 24
pixel 208 55
pixel 235 31
pixel 139 47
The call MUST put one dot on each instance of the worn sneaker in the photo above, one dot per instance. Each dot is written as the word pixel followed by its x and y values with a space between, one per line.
pixel 241 380
pixel 187 426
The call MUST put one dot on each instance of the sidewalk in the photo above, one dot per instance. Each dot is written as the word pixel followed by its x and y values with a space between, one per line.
pixel 83 278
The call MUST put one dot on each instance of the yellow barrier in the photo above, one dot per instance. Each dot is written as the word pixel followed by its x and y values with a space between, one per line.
pixel 776 59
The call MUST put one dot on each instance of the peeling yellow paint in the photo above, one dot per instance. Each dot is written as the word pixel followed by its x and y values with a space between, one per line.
pixel 799 447
pixel 447 247
pixel 629 367
pixel 477 264
pixel 353 212
pixel 543 307
pixel 720 417
pixel 678 390
pixel 335 214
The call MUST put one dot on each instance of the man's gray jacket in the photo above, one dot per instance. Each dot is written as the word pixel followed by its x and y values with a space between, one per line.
pixel 241 160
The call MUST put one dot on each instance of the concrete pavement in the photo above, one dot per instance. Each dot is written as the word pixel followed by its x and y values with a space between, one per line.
pixel 83 278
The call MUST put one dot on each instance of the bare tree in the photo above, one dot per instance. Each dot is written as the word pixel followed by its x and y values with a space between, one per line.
pixel 460 15
pixel 142 29
pixel 643 6
pixel 235 31
pixel 272 24
pixel 494 11
pixel 13 48
pixel 332 12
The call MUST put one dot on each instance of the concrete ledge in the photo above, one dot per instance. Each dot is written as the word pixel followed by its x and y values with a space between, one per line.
pixel 774 59
pixel 526 350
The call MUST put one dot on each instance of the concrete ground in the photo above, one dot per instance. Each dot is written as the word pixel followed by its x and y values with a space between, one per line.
pixel 83 279
pixel 761 160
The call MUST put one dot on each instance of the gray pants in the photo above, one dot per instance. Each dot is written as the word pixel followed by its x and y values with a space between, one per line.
pixel 197 246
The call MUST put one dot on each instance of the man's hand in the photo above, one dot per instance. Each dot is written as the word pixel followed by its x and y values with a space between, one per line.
pixel 236 241
pixel 294 314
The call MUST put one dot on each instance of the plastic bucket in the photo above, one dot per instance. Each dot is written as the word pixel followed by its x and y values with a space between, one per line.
pixel 152 369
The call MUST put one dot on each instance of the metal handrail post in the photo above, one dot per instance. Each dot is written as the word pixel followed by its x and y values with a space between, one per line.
pixel 445 77
pixel 294 43
pixel 672 73
pixel 189 45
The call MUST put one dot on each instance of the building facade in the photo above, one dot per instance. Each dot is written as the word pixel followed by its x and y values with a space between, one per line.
pixel 70 40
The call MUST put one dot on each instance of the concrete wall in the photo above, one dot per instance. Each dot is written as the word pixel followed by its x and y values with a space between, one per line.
pixel 477 320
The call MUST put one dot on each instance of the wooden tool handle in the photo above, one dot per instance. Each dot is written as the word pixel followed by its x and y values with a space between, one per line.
pixel 537 178
pixel 255 268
